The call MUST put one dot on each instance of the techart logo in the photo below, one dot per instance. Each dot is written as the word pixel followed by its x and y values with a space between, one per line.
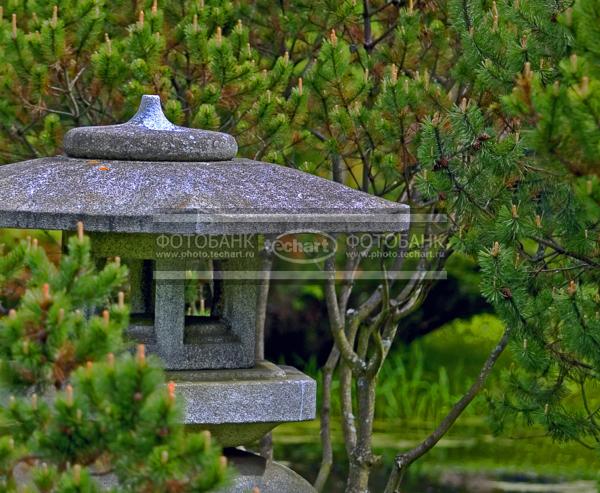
pixel 304 247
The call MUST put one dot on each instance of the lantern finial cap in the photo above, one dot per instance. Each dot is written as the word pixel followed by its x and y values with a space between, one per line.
pixel 150 114
pixel 149 136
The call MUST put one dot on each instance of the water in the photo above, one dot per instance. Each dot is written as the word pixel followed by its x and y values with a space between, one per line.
pixel 467 460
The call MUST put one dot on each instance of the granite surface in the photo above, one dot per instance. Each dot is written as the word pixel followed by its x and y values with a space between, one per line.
pixel 221 197
pixel 240 396
pixel 149 136
pixel 269 477
pixel 222 351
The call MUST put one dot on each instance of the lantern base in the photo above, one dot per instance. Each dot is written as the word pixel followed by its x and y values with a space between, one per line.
pixel 253 471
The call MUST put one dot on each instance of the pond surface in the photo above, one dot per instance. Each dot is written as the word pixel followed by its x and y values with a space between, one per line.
pixel 467 460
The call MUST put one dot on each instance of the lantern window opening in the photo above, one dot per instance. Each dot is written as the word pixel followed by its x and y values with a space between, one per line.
pixel 202 292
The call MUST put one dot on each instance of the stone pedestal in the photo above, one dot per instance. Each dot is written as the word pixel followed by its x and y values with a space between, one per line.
pixel 253 471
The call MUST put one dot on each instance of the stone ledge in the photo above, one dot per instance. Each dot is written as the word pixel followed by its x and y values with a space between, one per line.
pixel 265 394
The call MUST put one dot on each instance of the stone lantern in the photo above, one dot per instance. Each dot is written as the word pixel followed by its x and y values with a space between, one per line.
pixel 144 188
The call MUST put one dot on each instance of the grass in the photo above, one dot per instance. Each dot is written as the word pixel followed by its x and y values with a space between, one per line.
pixel 422 381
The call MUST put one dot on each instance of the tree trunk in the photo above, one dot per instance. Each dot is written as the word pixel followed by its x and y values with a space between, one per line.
pixel 361 459
pixel 358 477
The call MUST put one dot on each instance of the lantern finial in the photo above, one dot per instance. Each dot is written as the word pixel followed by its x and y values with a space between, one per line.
pixel 149 136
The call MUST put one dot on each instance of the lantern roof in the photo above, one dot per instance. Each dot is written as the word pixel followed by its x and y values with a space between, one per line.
pixel 151 176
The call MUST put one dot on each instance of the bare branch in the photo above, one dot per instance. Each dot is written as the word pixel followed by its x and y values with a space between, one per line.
pixel 367 32
pixel 556 247
pixel 389 31
pixel 403 461
pixel 350 357
pixel 327 450
pixel 348 419
pixel 347 401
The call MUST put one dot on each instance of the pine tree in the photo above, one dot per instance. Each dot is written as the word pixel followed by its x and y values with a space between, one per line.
pixel 81 406
pixel 485 111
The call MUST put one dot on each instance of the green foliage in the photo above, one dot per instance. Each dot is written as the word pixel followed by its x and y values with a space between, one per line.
pixel 77 409
pixel 486 112
pixel 50 334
